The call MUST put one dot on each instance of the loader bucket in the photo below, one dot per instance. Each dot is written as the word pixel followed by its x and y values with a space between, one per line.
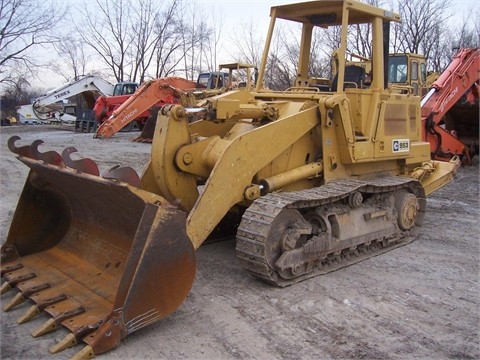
pixel 100 256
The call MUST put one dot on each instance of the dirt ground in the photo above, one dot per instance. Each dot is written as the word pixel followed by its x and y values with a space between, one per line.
pixel 420 301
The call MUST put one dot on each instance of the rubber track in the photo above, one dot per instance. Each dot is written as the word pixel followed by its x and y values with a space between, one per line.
pixel 257 219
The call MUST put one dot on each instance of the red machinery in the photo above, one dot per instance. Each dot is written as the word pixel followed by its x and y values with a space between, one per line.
pixel 123 110
pixel 450 108
pixel 107 107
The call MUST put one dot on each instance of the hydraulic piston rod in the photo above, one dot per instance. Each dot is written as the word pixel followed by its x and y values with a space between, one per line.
pixel 278 181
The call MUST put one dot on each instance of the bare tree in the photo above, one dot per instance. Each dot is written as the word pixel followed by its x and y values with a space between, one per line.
pixel 25 26
pixel 422 27
pixel 170 50
pixel 106 31
pixel 280 72
pixel 320 65
pixel 464 35
pixel 212 48
pixel 327 41
pixel 360 43
pixel 17 93
pixel 467 32
pixel 360 37
pixel 247 43
pixel 283 57
pixel 195 36
pixel 71 62
pixel 155 37
pixel 141 39
pixel 438 53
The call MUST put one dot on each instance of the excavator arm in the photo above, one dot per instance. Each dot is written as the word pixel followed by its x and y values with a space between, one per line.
pixel 460 77
pixel 44 106
pixel 149 94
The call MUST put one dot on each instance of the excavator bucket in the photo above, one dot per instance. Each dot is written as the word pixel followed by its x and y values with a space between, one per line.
pixel 148 129
pixel 102 257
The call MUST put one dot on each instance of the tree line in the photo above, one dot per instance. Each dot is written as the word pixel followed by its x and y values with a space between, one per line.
pixel 122 40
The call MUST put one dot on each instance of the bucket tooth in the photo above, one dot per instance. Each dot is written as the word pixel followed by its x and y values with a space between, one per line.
pixel 85 165
pixel 85 353
pixel 27 289
pixel 6 287
pixel 35 310
pixel 32 312
pixel 25 150
pixel 52 324
pixel 125 174
pixel 14 274
pixel 47 327
pixel 72 339
pixel 14 280
pixel 10 268
pixel 17 300
pixel 24 294
pixel 48 157
pixel 67 342
pixel 44 302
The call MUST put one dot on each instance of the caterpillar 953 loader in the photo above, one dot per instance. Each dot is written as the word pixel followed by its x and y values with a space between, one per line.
pixel 317 180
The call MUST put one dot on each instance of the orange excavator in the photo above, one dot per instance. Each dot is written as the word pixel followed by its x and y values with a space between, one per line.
pixel 153 94
pixel 450 108
pixel 158 92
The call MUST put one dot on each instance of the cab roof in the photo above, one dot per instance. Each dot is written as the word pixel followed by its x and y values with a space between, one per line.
pixel 326 13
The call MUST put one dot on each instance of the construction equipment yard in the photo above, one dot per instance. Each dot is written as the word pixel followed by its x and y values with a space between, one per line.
pixel 417 301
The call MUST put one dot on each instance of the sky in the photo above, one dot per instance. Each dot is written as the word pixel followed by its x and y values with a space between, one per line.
pixel 237 13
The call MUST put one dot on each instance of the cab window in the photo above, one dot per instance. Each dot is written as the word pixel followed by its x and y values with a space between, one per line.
pixel 397 69
pixel 414 67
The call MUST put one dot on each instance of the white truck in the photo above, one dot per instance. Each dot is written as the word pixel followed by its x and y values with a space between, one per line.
pixel 50 107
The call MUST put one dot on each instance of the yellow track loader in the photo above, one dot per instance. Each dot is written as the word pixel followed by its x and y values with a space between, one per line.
pixel 311 179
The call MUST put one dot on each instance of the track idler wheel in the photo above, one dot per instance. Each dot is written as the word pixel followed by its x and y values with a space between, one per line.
pixel 293 231
pixel 407 207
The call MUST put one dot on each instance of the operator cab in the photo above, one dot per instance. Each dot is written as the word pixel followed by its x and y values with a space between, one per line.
pixel 354 78
pixel 125 88
pixel 212 80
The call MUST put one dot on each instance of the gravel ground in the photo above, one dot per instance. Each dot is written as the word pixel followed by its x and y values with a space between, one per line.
pixel 420 301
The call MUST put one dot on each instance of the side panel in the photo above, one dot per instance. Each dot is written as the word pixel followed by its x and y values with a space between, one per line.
pixel 398 130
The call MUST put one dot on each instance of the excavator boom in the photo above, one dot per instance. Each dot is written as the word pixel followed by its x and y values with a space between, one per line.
pixel 46 107
pixel 459 80
pixel 170 90
pixel 160 91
